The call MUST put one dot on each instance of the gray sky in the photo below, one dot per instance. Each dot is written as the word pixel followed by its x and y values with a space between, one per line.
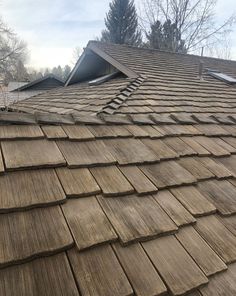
pixel 52 29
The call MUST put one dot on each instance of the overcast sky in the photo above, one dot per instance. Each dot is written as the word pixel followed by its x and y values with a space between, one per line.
pixel 52 29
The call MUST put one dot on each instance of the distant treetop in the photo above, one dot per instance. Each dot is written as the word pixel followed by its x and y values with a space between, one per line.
pixel 122 24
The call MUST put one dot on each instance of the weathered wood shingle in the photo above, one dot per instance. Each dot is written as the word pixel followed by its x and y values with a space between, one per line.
pixel 139 198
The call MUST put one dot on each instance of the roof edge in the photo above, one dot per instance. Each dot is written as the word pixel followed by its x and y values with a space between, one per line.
pixel 91 46
pixel 32 83
pixel 130 73
pixel 81 58
pixel 171 52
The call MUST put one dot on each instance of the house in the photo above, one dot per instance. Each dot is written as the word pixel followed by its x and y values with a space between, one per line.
pixel 123 182
pixel 17 91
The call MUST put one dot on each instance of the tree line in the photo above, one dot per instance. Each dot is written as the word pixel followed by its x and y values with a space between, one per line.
pixel 172 25
pixel 20 73
pixel 60 72
pixel 13 57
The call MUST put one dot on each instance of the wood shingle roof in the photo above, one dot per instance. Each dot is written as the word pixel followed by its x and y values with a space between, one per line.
pixel 128 203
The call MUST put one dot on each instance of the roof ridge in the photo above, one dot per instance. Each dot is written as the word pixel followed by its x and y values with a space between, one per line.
pixel 121 98
pixel 163 51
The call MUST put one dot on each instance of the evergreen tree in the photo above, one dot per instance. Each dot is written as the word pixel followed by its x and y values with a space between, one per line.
pixel 54 71
pixel 34 75
pixel 60 72
pixel 122 24
pixel 66 72
pixel 154 37
pixel 57 71
pixel 165 37
pixel 21 73
pixel 46 72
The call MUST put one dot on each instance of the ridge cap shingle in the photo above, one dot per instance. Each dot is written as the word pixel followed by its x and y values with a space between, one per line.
pixel 123 96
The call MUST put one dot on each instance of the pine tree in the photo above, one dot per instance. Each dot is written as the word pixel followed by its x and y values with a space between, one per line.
pixel 57 71
pixel 20 73
pixel 66 72
pixel 47 72
pixel 165 37
pixel 122 24
pixel 54 71
pixel 154 37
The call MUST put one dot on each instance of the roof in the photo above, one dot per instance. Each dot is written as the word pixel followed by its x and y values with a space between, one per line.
pixel 47 82
pixel 92 60
pixel 18 91
pixel 170 84
pixel 118 204
pixel 9 97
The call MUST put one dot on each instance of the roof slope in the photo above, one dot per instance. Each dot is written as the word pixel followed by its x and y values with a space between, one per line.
pixel 136 203
pixel 18 91
pixel 171 85
pixel 80 99
pixel 9 97
pixel 116 207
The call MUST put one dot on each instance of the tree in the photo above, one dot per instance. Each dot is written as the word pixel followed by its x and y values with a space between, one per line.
pixel 194 20
pixel 66 72
pixel 12 51
pixel 46 72
pixel 165 37
pixel 221 49
pixel 21 73
pixel 57 71
pixel 76 54
pixel 34 74
pixel 122 24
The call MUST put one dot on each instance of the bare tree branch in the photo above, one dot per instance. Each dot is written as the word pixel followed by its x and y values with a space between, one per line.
pixel 195 20
pixel 12 51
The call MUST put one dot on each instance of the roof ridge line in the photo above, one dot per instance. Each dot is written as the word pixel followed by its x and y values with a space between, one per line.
pixel 122 97
pixel 164 51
